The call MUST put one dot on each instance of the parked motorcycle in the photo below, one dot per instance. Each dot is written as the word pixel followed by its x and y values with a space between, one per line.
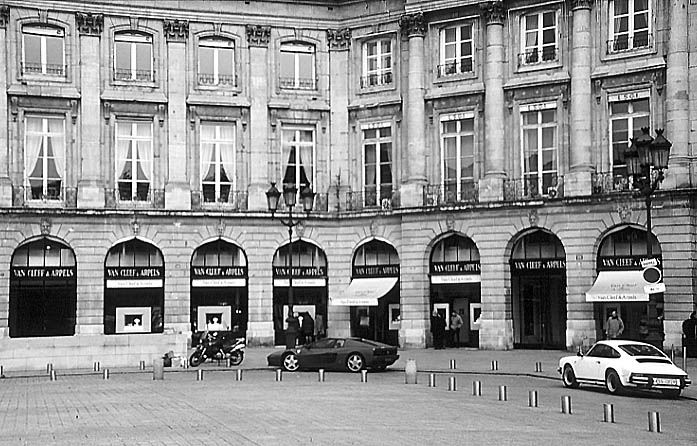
pixel 214 346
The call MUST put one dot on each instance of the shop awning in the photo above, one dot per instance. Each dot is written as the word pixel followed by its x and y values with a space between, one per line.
pixel 615 286
pixel 364 292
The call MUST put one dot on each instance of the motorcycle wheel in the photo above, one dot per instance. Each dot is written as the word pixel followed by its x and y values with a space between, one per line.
pixel 236 358
pixel 196 359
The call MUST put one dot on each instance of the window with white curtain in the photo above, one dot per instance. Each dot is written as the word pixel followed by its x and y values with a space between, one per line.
pixel 218 168
pixel 456 50
pixel 457 155
pixel 297 66
pixel 133 57
pixel 134 148
pixel 539 154
pixel 216 62
pixel 627 117
pixel 539 37
pixel 43 51
pixel 299 153
pixel 630 25
pixel 377 164
pixel 377 63
pixel 44 157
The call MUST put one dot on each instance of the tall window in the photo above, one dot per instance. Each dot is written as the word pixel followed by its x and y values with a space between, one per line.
pixel 216 62
pixel 377 165
pixel 539 149
pixel 43 51
pixel 44 157
pixel 457 155
pixel 133 57
pixel 299 150
pixel 297 66
pixel 539 39
pixel 627 117
pixel 217 162
pixel 456 50
pixel 629 24
pixel 133 159
pixel 377 63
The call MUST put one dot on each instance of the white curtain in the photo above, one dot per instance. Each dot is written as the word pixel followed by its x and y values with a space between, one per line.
pixel 56 129
pixel 145 149
pixel 306 164
pixel 227 151
pixel 123 143
pixel 207 146
pixel 33 139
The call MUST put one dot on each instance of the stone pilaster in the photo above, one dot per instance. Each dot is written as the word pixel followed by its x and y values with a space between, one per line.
pixel 578 180
pixel 5 183
pixel 677 91
pixel 177 188
pixel 339 44
pixel 411 191
pixel 90 188
pixel 491 186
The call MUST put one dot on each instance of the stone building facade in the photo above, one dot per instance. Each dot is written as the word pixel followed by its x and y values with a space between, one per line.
pixel 466 157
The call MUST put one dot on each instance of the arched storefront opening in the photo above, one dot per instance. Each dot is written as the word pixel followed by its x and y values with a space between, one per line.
pixel 134 296
pixel 455 275
pixel 309 283
pixel 538 276
pixel 620 284
pixel 373 294
pixel 219 294
pixel 43 289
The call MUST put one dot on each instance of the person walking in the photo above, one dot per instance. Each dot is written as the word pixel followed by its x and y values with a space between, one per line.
pixel 293 329
pixel 438 330
pixel 614 326
pixel 456 324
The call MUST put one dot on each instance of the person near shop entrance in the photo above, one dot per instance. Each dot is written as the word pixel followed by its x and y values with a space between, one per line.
pixel 456 324
pixel 320 330
pixel 307 328
pixel 438 330
pixel 689 335
pixel 293 329
pixel 614 326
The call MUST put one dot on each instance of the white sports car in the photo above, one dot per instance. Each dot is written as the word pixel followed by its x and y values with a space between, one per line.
pixel 620 364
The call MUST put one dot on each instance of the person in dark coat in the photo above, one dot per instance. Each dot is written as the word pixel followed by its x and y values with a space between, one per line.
pixel 293 329
pixel 308 328
pixel 689 334
pixel 438 330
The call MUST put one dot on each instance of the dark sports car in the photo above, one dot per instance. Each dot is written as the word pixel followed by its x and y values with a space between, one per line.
pixel 351 354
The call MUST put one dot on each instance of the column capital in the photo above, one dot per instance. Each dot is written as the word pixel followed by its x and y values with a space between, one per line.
pixel 4 16
pixel 493 12
pixel 89 24
pixel 413 24
pixel 176 30
pixel 258 35
pixel 339 39
pixel 581 4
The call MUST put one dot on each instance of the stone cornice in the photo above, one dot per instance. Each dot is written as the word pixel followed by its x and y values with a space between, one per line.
pixel 176 30
pixel 413 24
pixel 89 24
pixel 258 35
pixel 493 12
pixel 4 16
pixel 339 39
pixel 581 4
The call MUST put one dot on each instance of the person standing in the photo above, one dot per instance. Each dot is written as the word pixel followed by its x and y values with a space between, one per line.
pixel 438 330
pixel 456 324
pixel 689 334
pixel 614 326
pixel 308 328
pixel 293 329
pixel 320 330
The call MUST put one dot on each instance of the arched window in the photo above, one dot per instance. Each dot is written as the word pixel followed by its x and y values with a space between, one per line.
pixel 297 66
pixel 216 62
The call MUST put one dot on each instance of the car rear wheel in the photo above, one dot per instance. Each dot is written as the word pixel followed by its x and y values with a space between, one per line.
pixel 671 393
pixel 569 377
pixel 613 383
pixel 355 362
pixel 290 362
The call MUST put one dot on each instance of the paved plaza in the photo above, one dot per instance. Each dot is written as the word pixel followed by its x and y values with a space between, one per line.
pixel 130 408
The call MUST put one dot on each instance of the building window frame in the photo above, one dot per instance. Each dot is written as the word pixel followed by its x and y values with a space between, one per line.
pixel 297 52
pixel 45 35
pixel 299 174
pixel 539 180
pixel 457 64
pixel 131 42
pixel 218 47
pixel 220 159
pixel 36 144
pixel 539 52
pixel 460 185
pixel 134 189
pixel 378 66
pixel 627 37
pixel 380 137
pixel 637 115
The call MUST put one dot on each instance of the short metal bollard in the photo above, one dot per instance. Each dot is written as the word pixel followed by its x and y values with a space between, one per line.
pixel 279 375
pixel 49 367
pixel 238 375
pixel 494 365
pixel 105 374
pixel 477 388
pixel 410 372
pixel 538 367
pixel 452 384
pixel 142 365
pixel 2 371
pixel 684 358
pixel 453 364
pixel 199 375
pixel 432 380
pixel 96 366
pixel 228 362
pixel 608 413
pixel 672 353
pixel 503 394
pixel 52 374
pixel 566 404
pixel 320 375
pixel 532 398
pixel 364 376
pixel 654 422
pixel 158 369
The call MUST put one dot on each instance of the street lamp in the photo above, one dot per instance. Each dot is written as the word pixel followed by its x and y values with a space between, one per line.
pixel 307 196
pixel 646 160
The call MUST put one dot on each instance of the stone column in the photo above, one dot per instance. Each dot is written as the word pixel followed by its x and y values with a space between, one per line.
pixel 90 186
pixel 5 183
pixel 339 42
pixel 491 186
pixel 578 180
pixel 411 191
pixel 260 169
pixel 677 91
pixel 177 188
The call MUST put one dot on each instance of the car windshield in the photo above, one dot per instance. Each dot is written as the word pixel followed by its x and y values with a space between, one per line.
pixel 641 350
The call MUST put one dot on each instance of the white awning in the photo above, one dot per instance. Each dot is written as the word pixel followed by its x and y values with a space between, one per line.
pixel 615 286
pixel 364 292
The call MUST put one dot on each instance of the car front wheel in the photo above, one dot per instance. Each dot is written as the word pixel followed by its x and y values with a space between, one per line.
pixel 569 377
pixel 290 362
pixel 355 362
pixel 613 383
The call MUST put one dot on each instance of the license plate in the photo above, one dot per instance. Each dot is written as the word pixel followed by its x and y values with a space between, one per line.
pixel 665 381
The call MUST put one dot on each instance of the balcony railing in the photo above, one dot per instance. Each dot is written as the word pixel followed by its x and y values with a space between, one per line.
pixel 224 80
pixel 43 69
pixel 605 183
pixel 536 56
pixel 126 74
pixel 375 80
pixel 369 200
pixel 626 42
pixel 232 200
pixel 145 198
pixel 439 195
pixel 529 188
pixel 297 83
pixel 53 196
pixel 453 68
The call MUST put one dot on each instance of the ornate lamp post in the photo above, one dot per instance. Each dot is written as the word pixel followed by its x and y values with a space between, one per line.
pixel 646 160
pixel 307 196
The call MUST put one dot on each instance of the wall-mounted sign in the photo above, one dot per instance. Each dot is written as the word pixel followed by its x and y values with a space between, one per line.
pixel 375 271
pixel 205 272
pixel 300 282
pixel 455 267
pixel 300 271
pixel 534 265
pixel 617 263
pixel 59 272
pixel 134 277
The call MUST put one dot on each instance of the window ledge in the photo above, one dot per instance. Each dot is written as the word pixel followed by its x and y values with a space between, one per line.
pixel 60 91
pixel 455 78
pixel 127 95
pixel 527 68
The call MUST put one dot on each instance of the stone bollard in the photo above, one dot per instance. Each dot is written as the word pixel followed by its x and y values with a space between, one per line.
pixel 52 375
pixel 105 374
pixel 566 404
pixel 2 371
pixel 96 366
pixel 503 394
pixel 452 384
pixel 494 365
pixel 453 364
pixel 279 375
pixel 320 375
pixel 410 372
pixel 654 422
pixel 364 376
pixel 538 367
pixel 608 413
pixel 142 365
pixel 185 363
pixel 672 353
pixel 532 398
pixel 158 369
pixel 684 359
pixel 432 380
pixel 238 375
pixel 199 375
pixel 228 362
pixel 476 388
pixel 49 367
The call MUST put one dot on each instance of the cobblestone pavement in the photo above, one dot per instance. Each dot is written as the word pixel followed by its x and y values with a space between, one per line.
pixel 130 408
